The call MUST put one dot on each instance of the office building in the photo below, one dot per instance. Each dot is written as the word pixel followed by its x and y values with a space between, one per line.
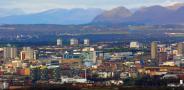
pixel 89 56
pixel 154 50
pixel 28 54
pixel 180 48
pixel 10 52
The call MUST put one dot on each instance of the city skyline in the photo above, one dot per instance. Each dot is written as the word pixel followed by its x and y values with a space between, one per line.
pixel 92 44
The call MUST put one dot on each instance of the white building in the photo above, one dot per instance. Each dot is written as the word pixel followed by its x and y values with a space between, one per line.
pixel 59 42
pixel 74 41
pixel 73 80
pixel 134 45
pixel 86 42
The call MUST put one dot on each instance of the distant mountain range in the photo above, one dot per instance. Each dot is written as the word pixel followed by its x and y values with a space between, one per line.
pixel 115 15
pixel 146 15
pixel 54 16
pixel 172 14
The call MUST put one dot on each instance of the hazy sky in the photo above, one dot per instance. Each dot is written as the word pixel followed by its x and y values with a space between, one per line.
pixel 40 5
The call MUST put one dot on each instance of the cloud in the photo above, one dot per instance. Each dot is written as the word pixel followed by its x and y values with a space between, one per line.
pixel 172 2
pixel 8 12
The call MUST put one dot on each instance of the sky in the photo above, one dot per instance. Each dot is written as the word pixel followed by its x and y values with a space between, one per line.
pixel 42 5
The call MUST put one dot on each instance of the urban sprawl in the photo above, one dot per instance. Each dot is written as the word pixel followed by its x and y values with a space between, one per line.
pixel 90 64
